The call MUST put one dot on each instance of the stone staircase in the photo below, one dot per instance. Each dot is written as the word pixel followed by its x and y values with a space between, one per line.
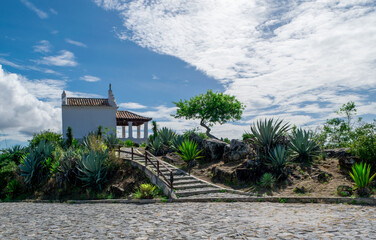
pixel 184 185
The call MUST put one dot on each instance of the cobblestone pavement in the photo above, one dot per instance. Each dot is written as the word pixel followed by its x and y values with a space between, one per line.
pixel 186 221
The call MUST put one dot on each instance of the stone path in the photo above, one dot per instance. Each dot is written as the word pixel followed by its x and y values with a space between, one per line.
pixel 186 221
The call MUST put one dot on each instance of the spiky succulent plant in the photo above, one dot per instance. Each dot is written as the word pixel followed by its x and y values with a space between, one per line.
pixel 303 146
pixel 92 169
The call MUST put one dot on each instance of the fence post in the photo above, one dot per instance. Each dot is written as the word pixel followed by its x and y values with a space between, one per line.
pixel 132 153
pixel 158 169
pixel 146 158
pixel 172 181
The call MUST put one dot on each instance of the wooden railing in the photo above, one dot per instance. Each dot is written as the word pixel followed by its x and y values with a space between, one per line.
pixel 148 160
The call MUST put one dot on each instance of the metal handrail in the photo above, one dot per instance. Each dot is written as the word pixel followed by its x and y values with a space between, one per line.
pixel 147 159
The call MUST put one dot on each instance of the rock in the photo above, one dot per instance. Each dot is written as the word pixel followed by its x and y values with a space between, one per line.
pixel 223 175
pixel 213 149
pixel 302 189
pixel 243 174
pixel 200 142
pixel 346 162
pixel 344 191
pixel 322 176
pixel 237 150
pixel 337 152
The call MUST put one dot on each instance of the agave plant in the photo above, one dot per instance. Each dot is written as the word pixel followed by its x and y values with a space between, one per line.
pixel 111 140
pixel 32 169
pixel 166 135
pixel 94 143
pixel 67 171
pixel 145 191
pixel 267 134
pixel 278 160
pixel 303 146
pixel 177 141
pixel 92 169
pixel 361 176
pixel 189 153
pixel 155 145
pixel 267 180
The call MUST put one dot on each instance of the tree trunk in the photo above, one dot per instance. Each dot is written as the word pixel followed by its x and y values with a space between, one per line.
pixel 207 130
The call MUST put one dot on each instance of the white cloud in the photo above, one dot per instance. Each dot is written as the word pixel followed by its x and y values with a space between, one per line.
pixel 66 58
pixel 29 106
pixel 43 46
pixel 280 58
pixel 154 77
pixel 41 14
pixel 89 78
pixel 9 63
pixel 76 43
pixel 53 11
pixel 132 105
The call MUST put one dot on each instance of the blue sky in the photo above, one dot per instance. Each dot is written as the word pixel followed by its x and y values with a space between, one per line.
pixel 295 60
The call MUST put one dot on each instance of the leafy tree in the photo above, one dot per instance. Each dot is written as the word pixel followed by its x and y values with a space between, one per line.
pixel 210 108
pixel 48 136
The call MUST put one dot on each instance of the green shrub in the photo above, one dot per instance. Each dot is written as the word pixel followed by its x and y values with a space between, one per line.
pixel 196 131
pixel 92 169
pixel 278 160
pixel 48 136
pixel 302 145
pixel 128 143
pixel 94 143
pixel 226 140
pixel 12 189
pixel 267 180
pixel 12 154
pixel 364 143
pixel 145 191
pixel 361 176
pixel 7 173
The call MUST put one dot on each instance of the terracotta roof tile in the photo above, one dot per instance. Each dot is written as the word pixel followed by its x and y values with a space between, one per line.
pixel 87 102
pixel 129 116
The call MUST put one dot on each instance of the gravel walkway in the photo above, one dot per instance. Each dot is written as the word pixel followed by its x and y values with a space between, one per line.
pixel 186 221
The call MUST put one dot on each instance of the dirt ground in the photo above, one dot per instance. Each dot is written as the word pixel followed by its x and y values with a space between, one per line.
pixel 321 179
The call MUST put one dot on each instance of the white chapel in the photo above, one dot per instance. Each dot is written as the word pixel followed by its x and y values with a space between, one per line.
pixel 85 115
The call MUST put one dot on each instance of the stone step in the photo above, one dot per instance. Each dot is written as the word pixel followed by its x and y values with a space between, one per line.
pixel 191 192
pixel 182 177
pixel 191 186
pixel 186 182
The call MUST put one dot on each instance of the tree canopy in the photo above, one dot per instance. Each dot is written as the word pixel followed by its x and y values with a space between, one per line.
pixel 210 108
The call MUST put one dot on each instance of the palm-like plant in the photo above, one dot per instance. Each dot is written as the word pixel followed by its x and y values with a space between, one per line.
pixel 361 176
pixel 15 153
pixel 155 145
pixel 189 152
pixel 278 160
pixel 303 146
pixel 92 169
pixel 267 133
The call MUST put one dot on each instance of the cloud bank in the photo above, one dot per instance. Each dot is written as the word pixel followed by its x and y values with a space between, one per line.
pixel 299 60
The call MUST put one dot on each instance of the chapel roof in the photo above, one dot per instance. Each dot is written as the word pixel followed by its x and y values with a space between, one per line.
pixel 87 102
pixel 129 116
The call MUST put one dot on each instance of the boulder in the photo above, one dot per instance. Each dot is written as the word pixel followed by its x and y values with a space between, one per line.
pixel 337 152
pixel 237 150
pixel 200 142
pixel 346 162
pixel 213 149
pixel 223 175
pixel 322 176
pixel 117 190
pixel 243 174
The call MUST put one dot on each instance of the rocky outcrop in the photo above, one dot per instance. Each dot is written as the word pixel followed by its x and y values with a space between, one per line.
pixel 200 142
pixel 237 150
pixel 337 152
pixel 213 149
pixel 232 176
pixel 346 162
